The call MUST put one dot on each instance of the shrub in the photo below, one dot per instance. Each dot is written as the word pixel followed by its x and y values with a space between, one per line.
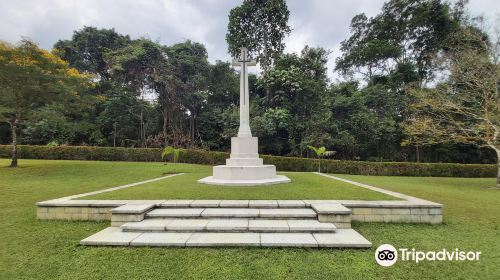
pixel 282 163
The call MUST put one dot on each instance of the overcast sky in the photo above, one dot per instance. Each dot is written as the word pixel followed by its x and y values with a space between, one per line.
pixel 322 23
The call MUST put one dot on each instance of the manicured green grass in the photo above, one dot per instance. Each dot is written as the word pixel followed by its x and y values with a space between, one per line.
pixel 31 249
pixel 303 186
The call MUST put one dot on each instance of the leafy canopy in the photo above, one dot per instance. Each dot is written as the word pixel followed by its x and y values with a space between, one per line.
pixel 261 26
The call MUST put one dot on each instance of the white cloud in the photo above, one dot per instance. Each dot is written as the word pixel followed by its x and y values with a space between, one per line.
pixel 315 22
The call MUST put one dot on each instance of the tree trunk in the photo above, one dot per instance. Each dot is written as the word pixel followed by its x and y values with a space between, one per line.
pixel 418 153
pixel 498 172
pixel 114 135
pixel 497 150
pixel 165 119
pixel 13 126
pixel 498 164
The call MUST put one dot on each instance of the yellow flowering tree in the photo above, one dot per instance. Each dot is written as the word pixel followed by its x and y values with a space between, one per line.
pixel 31 77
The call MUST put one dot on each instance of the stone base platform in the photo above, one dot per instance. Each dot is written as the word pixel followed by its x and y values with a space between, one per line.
pixel 278 179
pixel 244 167
pixel 284 223
pixel 223 223
pixel 114 236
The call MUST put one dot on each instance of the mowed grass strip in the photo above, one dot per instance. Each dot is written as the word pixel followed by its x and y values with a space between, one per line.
pixel 304 185
pixel 32 249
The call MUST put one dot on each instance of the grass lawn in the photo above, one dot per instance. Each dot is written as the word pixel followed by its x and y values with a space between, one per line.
pixel 303 186
pixel 31 249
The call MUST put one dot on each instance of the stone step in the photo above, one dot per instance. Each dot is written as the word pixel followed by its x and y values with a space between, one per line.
pixel 227 225
pixel 114 236
pixel 250 213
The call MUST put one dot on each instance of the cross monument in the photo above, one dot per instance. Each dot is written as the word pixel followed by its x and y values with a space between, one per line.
pixel 244 167
pixel 244 61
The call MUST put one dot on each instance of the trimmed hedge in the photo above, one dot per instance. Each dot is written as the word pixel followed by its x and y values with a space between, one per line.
pixel 282 163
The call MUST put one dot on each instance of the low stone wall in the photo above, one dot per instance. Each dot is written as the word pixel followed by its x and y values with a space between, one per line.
pixel 361 211
pixel 397 215
pixel 75 213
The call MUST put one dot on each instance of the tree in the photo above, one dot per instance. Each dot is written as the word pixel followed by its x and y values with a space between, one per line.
pixel 406 32
pixel 260 26
pixel 172 152
pixel 140 66
pixel 296 111
pixel 30 78
pixel 216 119
pixel 320 151
pixel 121 109
pixel 87 49
pixel 187 85
pixel 465 108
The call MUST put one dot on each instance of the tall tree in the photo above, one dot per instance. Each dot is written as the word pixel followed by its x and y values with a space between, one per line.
pixel 261 26
pixel 188 84
pixel 406 32
pixel 87 48
pixel 30 78
pixel 139 66
pixel 216 117
pixel 296 113
pixel 466 108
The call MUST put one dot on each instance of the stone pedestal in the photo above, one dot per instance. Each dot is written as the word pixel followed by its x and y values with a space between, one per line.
pixel 244 167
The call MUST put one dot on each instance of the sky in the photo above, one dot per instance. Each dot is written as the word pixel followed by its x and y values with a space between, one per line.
pixel 323 23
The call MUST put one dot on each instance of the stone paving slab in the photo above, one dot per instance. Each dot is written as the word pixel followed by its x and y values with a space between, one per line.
pixel 291 203
pixel 234 203
pixel 224 225
pixel 133 208
pixel 288 213
pixel 205 203
pixel 176 212
pixel 231 212
pixel 227 225
pixel 176 203
pixel 310 225
pixel 263 204
pixel 224 239
pixel 147 225
pixel 342 238
pixel 111 236
pixel 162 239
pixel 268 225
pixel 330 208
pixel 187 225
pixel 288 240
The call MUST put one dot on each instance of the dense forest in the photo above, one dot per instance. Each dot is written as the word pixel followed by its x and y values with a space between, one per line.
pixel 140 93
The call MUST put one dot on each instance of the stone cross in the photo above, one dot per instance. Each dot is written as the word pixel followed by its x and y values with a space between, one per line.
pixel 243 61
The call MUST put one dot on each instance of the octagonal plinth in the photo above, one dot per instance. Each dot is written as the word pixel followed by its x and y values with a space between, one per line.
pixel 244 167
pixel 278 179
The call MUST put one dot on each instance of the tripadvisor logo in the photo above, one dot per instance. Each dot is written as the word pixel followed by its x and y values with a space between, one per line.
pixel 387 255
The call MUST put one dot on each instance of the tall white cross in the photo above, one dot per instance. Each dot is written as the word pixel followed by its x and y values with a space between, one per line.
pixel 244 61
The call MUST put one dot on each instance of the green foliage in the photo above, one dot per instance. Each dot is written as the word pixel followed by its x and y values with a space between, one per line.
pixel 405 32
pixel 260 26
pixel 319 153
pixel 171 152
pixel 293 103
pixel 295 112
pixel 87 49
pixel 31 78
pixel 282 163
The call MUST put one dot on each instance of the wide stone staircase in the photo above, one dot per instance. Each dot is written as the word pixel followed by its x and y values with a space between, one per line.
pixel 230 223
